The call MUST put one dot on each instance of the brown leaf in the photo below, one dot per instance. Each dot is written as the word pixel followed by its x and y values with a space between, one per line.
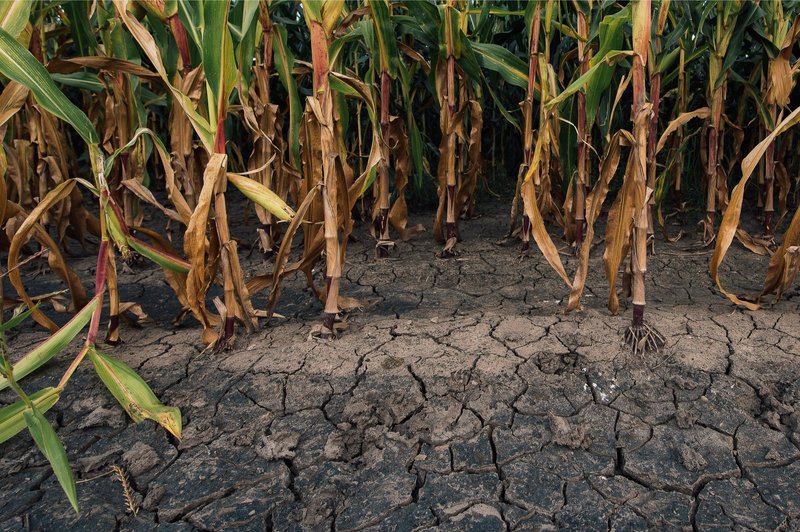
pixel 730 219
pixel 195 244
pixel 540 234
pixel 31 223
pixel 594 205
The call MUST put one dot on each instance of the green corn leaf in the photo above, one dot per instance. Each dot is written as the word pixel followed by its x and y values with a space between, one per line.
pixel 499 59
pixel 368 182
pixel 165 260
pixel 134 394
pixel 53 345
pixel 244 15
pixel 245 29
pixel 511 119
pixel 417 154
pixel 312 9
pixel 218 62
pixel 188 14
pixel 80 80
pixel 423 22
pixel 47 441
pixel 14 16
pixel 18 64
pixel 12 420
pixel 581 82
pixel 284 61
pixel 80 27
pixel 610 33
pixel 666 60
pixel 381 17
pixel 16 320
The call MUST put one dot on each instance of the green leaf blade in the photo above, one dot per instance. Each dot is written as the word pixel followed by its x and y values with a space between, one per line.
pixel 47 441
pixel 53 345
pixel 12 419
pixel 133 393
pixel 18 64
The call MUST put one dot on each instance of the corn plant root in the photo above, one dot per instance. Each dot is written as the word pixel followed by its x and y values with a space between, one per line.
pixel 643 339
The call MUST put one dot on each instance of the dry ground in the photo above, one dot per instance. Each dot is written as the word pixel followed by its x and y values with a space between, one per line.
pixel 464 399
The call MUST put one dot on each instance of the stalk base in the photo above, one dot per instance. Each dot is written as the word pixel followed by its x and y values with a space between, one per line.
pixel 526 233
pixel 228 338
pixel 328 330
pixel 449 250
pixel 769 229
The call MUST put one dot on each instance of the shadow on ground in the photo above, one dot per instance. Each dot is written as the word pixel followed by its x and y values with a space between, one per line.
pixel 463 399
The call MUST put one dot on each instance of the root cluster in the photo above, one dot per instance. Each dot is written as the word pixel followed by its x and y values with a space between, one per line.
pixel 643 338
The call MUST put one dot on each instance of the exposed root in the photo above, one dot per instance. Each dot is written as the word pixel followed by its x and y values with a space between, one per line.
pixel 643 338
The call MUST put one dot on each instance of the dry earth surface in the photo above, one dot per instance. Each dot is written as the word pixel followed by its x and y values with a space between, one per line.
pixel 463 399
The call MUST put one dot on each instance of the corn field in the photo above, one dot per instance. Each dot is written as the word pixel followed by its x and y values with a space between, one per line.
pixel 603 117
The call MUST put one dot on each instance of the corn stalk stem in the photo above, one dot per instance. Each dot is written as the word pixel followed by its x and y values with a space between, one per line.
pixel 322 91
pixel 449 153
pixel 579 198
pixel 655 97
pixel 717 104
pixel 682 90
pixel 642 22
pixel 769 181
pixel 533 67
pixel 383 204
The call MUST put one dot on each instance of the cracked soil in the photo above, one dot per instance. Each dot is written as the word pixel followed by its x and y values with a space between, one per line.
pixel 462 398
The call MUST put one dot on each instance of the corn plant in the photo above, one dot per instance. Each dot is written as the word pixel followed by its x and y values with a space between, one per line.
pixel 127 387
pixel 306 112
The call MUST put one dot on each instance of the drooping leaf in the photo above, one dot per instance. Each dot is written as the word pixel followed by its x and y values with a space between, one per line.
pixel 134 394
pixel 730 219
pixel 47 441
pixel 53 345
pixel 12 419
pixel 18 64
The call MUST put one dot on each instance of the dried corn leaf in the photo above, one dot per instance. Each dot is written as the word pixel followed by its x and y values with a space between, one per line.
pixel 730 219
pixel 594 205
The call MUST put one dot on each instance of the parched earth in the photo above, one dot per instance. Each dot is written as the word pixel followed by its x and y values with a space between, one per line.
pixel 463 398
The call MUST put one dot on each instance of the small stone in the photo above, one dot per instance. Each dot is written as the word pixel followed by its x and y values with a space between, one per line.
pixel 278 446
pixel 102 417
pixel 773 419
pixel 90 463
pixel 773 455
pixel 691 459
pixel 140 458
pixel 567 434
